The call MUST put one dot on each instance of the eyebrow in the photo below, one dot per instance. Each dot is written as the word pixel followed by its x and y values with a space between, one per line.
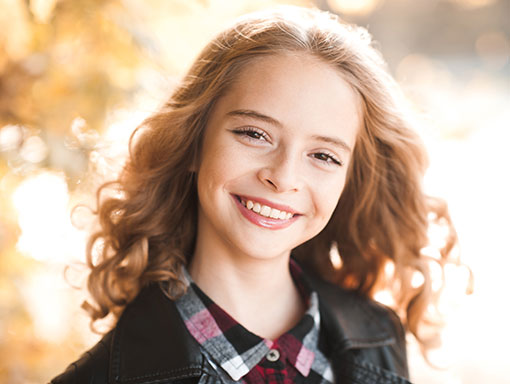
pixel 268 119
pixel 255 115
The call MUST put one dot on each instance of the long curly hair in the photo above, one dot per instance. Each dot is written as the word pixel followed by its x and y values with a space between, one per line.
pixel 148 229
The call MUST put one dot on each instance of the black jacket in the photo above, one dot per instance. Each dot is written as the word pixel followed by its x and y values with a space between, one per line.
pixel 151 344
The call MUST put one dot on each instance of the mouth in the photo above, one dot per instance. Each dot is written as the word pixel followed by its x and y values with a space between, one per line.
pixel 264 210
pixel 265 214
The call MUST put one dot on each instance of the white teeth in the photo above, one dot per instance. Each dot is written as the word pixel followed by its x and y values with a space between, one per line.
pixel 266 211
pixel 275 213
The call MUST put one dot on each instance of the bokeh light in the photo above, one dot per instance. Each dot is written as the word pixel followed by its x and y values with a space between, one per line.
pixel 42 9
pixel 11 137
pixel 44 219
pixel 494 49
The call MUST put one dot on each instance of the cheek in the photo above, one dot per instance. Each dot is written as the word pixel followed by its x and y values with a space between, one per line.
pixel 212 163
pixel 217 171
pixel 328 196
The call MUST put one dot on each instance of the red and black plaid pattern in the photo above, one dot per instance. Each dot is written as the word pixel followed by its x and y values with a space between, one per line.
pixel 240 356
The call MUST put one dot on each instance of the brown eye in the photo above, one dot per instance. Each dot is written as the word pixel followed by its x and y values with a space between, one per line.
pixel 252 134
pixel 326 158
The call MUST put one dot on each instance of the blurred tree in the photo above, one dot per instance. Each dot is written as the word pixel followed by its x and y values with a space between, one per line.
pixel 69 65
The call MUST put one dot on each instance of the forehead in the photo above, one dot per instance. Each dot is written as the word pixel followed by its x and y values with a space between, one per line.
pixel 299 90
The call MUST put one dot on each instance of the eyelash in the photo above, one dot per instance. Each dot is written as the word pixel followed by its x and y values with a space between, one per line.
pixel 330 159
pixel 249 132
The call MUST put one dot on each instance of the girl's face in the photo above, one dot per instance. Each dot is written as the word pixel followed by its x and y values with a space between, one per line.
pixel 275 155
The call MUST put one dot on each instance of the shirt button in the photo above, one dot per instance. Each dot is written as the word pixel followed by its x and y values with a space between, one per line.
pixel 273 355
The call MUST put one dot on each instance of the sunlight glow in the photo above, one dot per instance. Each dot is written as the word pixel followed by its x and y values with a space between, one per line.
pixel 335 257
pixel 34 150
pixel 47 299
pixel 11 137
pixel 46 230
pixel 42 9
pixel 385 297
pixel 417 279
pixel 354 6
pixel 474 3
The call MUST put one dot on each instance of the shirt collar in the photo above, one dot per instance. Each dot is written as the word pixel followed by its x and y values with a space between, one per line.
pixel 236 349
pixel 150 341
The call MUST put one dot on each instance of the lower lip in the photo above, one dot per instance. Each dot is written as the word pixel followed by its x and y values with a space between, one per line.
pixel 262 221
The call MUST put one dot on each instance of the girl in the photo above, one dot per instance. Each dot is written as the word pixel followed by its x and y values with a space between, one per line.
pixel 285 143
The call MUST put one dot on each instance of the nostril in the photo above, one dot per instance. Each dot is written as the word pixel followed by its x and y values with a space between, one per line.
pixel 272 184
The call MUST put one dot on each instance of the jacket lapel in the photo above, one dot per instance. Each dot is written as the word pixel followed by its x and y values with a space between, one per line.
pixel 151 343
pixel 356 328
pixel 354 320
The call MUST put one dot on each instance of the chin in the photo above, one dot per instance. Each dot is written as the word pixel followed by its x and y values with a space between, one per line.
pixel 265 254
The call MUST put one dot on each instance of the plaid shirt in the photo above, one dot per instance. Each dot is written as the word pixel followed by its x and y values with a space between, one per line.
pixel 240 356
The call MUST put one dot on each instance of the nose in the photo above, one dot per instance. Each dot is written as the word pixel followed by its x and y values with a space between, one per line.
pixel 281 172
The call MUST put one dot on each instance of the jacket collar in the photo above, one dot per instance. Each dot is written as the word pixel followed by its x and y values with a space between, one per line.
pixel 151 343
pixel 351 320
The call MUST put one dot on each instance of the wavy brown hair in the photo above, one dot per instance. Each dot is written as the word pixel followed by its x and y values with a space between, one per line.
pixel 148 231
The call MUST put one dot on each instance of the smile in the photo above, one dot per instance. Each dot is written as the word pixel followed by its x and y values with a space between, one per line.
pixel 266 211
pixel 264 215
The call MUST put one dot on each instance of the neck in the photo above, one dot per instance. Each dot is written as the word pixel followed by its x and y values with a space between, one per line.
pixel 259 293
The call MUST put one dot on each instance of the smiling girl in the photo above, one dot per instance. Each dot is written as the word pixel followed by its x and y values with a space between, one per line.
pixel 286 141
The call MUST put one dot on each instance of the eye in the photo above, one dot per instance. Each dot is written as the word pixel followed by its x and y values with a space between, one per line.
pixel 327 158
pixel 251 133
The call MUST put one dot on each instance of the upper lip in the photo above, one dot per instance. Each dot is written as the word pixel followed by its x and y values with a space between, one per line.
pixel 281 207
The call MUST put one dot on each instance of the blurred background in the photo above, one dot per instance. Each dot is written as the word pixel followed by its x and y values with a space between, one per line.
pixel 77 76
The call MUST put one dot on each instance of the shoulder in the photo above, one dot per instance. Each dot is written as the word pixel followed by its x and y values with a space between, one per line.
pixel 91 367
pixel 149 340
pixel 368 329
